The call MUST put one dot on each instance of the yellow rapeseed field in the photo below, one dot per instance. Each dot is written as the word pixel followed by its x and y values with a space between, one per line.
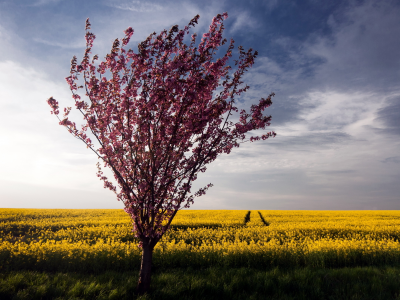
pixel 95 240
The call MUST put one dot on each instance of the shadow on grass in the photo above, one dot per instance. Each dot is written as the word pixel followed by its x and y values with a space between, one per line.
pixel 210 283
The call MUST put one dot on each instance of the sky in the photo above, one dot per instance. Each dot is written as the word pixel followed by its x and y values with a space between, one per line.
pixel 333 65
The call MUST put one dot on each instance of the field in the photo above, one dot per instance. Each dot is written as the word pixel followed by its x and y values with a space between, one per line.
pixel 243 246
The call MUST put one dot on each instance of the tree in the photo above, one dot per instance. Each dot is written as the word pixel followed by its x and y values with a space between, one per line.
pixel 157 122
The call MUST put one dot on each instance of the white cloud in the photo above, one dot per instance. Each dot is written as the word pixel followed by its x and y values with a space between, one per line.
pixel 243 21
pixel 333 110
pixel 61 45
pixel 136 6
pixel 43 2
pixel 37 151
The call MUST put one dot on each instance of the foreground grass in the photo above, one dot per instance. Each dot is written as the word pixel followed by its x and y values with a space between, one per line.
pixel 211 283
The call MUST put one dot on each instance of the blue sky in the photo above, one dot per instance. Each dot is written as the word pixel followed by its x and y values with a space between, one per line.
pixel 333 65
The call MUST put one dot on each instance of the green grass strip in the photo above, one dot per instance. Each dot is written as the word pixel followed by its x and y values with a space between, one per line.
pixel 211 283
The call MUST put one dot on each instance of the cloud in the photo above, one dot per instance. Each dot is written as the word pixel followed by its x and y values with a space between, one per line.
pixel 61 45
pixel 345 82
pixel 44 166
pixel 389 115
pixel 136 6
pixel 361 53
pixel 43 2
pixel 331 110
pixel 393 159
pixel 32 140
pixel 243 21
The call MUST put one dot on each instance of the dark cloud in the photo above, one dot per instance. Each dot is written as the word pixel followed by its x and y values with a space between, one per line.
pixel 362 52
pixel 390 116
pixel 393 159
pixel 349 49
pixel 310 140
pixel 337 172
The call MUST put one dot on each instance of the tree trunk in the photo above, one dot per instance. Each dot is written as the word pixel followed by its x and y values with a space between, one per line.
pixel 145 270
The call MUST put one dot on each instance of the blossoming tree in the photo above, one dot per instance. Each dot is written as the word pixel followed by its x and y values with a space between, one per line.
pixel 158 122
